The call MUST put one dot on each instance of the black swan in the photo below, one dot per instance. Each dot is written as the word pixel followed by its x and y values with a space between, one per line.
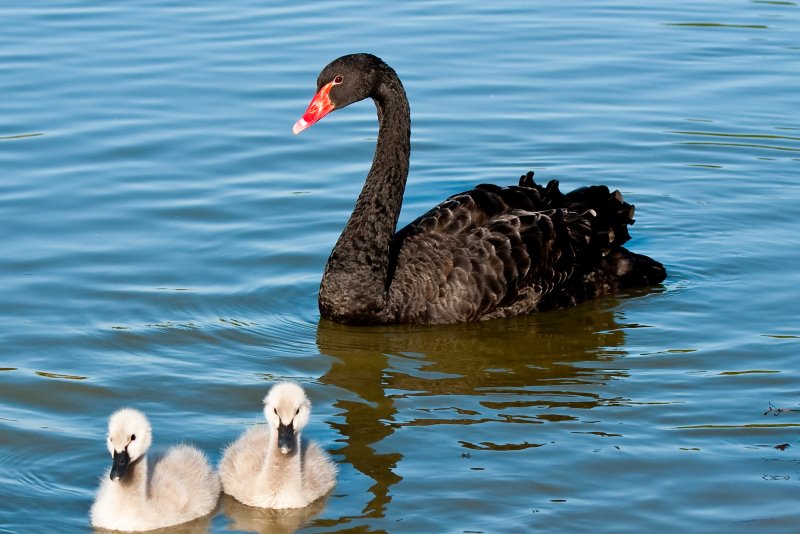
pixel 485 253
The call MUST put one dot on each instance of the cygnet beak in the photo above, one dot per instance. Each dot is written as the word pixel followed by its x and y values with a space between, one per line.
pixel 286 437
pixel 120 465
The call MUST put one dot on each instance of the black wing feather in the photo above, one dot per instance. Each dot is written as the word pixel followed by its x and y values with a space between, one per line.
pixel 496 251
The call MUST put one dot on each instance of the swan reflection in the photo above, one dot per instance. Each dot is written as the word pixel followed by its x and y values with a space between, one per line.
pixel 529 371
pixel 269 520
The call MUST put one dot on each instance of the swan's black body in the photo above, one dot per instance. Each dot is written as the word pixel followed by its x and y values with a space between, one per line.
pixel 485 253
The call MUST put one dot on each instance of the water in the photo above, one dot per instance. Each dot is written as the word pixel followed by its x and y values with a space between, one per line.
pixel 164 235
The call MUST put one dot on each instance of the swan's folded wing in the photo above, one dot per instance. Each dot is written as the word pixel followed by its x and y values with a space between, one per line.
pixel 501 251
pixel 319 471
pixel 470 209
pixel 183 484
pixel 242 460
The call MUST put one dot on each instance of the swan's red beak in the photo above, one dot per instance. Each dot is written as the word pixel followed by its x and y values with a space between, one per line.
pixel 320 106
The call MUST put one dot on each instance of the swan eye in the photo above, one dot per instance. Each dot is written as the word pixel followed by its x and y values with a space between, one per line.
pixel 338 80
pixel 133 437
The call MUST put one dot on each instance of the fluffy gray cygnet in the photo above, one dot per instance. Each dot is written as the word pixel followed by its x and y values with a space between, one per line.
pixel 140 493
pixel 271 467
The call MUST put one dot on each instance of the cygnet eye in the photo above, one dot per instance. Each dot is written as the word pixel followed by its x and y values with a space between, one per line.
pixel 275 410
pixel 133 437
pixel 297 412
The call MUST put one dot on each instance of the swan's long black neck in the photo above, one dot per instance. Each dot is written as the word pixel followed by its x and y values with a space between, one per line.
pixel 356 279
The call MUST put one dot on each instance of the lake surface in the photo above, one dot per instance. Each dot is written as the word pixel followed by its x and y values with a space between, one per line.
pixel 164 235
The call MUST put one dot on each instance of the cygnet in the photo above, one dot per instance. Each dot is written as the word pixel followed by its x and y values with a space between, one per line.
pixel 137 494
pixel 271 467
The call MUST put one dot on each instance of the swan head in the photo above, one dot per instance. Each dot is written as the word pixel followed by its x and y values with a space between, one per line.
pixel 129 437
pixel 287 410
pixel 343 81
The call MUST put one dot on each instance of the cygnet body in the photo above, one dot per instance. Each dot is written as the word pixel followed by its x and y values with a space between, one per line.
pixel 272 467
pixel 140 493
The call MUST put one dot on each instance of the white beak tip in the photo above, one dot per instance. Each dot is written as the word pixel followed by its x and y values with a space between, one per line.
pixel 299 126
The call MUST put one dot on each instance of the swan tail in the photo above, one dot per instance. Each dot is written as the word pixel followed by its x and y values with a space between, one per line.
pixel 610 230
pixel 610 218
pixel 633 270
pixel 590 225
pixel 576 251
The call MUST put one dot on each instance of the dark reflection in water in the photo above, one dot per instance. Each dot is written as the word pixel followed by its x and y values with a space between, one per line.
pixel 267 520
pixel 525 366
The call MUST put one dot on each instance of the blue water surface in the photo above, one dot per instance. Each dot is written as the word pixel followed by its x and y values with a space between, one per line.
pixel 164 235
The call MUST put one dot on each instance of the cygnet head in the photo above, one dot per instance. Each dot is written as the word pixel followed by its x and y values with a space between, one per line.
pixel 287 409
pixel 129 437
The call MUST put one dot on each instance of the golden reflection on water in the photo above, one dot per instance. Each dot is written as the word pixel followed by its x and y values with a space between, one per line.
pixel 201 525
pixel 269 520
pixel 479 373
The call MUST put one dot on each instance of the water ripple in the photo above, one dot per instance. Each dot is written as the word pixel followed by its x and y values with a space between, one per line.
pixel 164 235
